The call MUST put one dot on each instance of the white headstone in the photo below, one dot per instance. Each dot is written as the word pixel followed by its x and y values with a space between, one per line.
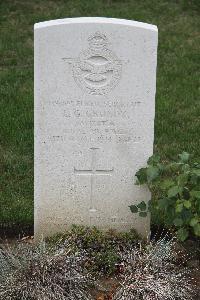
pixel 95 82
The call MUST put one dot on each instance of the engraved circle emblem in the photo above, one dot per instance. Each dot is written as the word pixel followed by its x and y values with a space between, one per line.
pixel 97 69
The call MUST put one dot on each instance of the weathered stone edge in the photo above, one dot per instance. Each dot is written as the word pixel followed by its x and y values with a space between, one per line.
pixel 97 20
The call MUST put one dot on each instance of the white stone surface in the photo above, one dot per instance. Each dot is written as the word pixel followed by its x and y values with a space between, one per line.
pixel 95 82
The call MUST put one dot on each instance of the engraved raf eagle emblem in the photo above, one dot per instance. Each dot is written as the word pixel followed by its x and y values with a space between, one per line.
pixel 97 69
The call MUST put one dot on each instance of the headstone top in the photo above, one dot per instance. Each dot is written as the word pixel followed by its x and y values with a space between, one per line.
pixel 99 20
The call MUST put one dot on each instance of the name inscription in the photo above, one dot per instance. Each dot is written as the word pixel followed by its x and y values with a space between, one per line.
pixel 89 120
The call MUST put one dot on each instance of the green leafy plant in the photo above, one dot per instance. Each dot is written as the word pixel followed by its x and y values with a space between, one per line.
pixel 176 193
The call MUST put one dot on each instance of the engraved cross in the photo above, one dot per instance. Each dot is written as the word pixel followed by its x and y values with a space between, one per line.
pixel 92 172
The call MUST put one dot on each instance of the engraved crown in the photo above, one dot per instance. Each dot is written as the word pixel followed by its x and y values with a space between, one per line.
pixel 97 41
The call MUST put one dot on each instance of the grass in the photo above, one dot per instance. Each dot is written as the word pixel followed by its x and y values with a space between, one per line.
pixel 177 124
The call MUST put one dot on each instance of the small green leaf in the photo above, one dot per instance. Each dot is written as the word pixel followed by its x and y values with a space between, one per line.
pixel 197 229
pixel 186 215
pixel 186 168
pixel 142 206
pixel 142 175
pixel 193 221
pixel 184 157
pixel 182 179
pixel 178 222
pixel 187 204
pixel 179 208
pixel 174 191
pixel 133 209
pixel 197 165
pixel 143 214
pixel 182 234
pixel 152 173
pixel 166 184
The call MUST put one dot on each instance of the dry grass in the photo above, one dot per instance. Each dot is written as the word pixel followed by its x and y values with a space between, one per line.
pixel 156 271
pixel 32 273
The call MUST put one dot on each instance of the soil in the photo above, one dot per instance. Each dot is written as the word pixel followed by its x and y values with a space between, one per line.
pixel 15 231
pixel 106 288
